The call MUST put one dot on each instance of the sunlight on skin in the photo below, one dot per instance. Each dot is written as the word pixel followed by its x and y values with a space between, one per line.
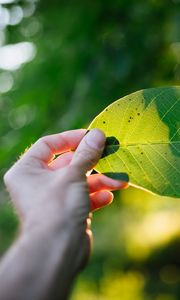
pixel 99 185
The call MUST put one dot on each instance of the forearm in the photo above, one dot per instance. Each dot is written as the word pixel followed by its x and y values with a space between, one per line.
pixel 42 263
pixel 39 266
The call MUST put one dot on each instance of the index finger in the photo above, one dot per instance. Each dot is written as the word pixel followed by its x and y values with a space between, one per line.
pixel 48 146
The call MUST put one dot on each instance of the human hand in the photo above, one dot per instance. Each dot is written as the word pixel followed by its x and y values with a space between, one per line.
pixel 51 192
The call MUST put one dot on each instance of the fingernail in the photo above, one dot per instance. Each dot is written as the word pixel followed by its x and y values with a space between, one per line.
pixel 96 139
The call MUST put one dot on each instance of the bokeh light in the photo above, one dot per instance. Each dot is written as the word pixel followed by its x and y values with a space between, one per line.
pixel 13 56
pixel 6 82
pixel 61 63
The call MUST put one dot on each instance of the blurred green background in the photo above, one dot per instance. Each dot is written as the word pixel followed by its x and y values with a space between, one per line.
pixel 61 63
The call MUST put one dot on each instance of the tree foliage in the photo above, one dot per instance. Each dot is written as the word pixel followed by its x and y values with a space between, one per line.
pixel 77 57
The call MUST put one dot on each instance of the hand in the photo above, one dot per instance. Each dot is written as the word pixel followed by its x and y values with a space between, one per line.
pixel 54 192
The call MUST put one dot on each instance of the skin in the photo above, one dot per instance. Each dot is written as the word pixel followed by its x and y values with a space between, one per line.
pixel 53 197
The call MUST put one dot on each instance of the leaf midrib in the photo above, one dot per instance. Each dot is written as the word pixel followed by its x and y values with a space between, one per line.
pixel 142 144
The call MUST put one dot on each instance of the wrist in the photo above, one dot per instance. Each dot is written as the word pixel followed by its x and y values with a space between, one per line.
pixel 66 244
pixel 47 256
pixel 55 231
pixel 52 229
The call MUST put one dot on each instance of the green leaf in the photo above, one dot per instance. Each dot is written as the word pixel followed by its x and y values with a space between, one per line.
pixel 145 139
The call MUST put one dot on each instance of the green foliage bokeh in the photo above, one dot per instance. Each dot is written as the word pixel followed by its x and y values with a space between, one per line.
pixel 88 54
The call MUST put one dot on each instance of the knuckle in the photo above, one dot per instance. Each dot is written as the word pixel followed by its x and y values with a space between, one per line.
pixel 10 177
pixel 44 142
pixel 7 178
pixel 41 140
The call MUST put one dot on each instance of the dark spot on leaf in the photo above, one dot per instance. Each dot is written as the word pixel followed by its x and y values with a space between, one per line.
pixel 111 146
pixel 106 109
pixel 129 121
pixel 117 176
pixel 104 122
pixel 138 114
pixel 142 153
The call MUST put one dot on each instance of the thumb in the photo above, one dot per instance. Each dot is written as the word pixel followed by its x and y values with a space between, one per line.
pixel 89 150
